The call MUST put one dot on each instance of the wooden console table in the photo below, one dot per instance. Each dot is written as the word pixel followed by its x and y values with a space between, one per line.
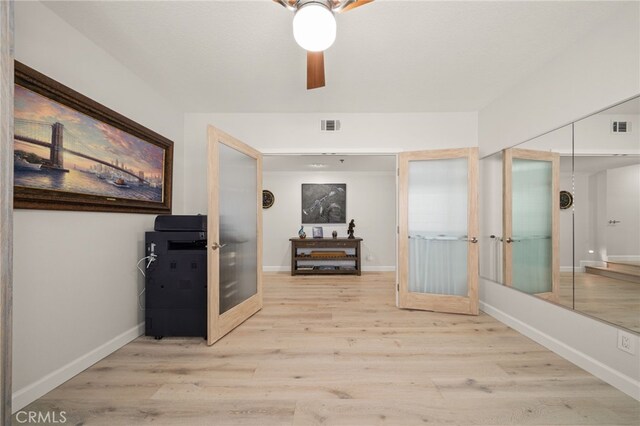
pixel 311 256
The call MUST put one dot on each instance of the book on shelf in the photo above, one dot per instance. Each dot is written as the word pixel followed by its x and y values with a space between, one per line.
pixel 332 253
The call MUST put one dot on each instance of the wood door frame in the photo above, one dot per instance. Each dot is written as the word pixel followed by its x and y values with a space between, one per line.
pixel 6 208
pixel 436 302
pixel 508 155
pixel 218 325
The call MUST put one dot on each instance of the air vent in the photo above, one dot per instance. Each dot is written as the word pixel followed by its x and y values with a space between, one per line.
pixel 620 127
pixel 330 125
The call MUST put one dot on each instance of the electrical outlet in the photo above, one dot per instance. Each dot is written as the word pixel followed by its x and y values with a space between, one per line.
pixel 626 342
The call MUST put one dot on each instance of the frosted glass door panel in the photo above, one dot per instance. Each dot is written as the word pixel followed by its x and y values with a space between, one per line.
pixel 532 225
pixel 234 222
pixel 238 227
pixel 437 225
pixel 437 232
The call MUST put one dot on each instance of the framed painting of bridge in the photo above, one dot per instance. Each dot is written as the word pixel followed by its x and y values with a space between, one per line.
pixel 72 153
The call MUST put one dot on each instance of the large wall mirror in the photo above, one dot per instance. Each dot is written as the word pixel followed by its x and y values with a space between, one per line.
pixel 560 218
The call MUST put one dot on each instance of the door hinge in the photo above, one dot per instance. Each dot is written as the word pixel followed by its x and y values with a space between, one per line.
pixel 398 172
pixel 398 229
pixel 398 287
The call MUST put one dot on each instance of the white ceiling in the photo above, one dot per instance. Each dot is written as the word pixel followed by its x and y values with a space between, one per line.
pixel 389 56
pixel 329 163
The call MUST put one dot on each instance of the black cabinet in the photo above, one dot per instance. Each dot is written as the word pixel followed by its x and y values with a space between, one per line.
pixel 176 284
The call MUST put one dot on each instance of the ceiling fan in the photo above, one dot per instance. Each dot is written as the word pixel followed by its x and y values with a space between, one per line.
pixel 314 29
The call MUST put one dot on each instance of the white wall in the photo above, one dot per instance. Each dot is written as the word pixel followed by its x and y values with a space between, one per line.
pixel 612 194
pixel 75 279
pixel 490 212
pixel 609 194
pixel 598 194
pixel 574 221
pixel 300 133
pixel 371 202
pixel 582 234
pixel 623 204
pixel 593 135
pixel 599 70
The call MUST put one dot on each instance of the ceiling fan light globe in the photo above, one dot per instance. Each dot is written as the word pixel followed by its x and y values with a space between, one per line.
pixel 314 27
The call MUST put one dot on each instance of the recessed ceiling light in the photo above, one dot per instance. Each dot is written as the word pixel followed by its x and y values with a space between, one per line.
pixel 317 165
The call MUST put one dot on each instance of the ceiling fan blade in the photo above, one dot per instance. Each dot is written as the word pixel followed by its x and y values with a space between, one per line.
pixel 289 4
pixel 355 4
pixel 315 70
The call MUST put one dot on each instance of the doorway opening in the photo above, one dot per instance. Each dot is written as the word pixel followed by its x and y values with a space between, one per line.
pixel 365 192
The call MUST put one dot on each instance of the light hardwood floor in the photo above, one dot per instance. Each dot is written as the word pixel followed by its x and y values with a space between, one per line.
pixel 336 350
pixel 609 299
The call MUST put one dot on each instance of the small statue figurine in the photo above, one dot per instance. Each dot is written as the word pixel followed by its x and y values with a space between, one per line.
pixel 334 234
pixel 352 225
pixel 301 233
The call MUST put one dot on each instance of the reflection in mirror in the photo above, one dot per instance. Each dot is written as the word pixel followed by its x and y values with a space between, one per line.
pixel 607 215
pixel 597 205
pixel 517 238
pixel 491 218
pixel 530 221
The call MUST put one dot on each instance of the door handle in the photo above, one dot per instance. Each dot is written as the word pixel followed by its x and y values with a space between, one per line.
pixel 613 222
pixel 509 240
pixel 473 240
pixel 216 246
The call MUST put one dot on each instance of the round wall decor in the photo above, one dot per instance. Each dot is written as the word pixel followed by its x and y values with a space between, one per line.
pixel 566 200
pixel 267 199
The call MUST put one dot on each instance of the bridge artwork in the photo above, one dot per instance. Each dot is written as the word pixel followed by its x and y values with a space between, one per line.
pixel 59 140
pixel 73 153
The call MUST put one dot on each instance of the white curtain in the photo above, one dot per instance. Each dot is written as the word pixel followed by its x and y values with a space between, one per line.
pixel 438 265
pixel 437 207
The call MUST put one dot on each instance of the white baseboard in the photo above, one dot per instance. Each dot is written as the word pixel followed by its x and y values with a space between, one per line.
pixel 364 269
pixel 626 384
pixel 28 394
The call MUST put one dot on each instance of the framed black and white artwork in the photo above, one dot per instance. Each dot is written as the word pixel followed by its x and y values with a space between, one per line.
pixel 324 203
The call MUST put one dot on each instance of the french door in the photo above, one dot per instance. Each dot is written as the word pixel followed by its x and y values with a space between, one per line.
pixel 438 228
pixel 234 288
pixel 531 204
